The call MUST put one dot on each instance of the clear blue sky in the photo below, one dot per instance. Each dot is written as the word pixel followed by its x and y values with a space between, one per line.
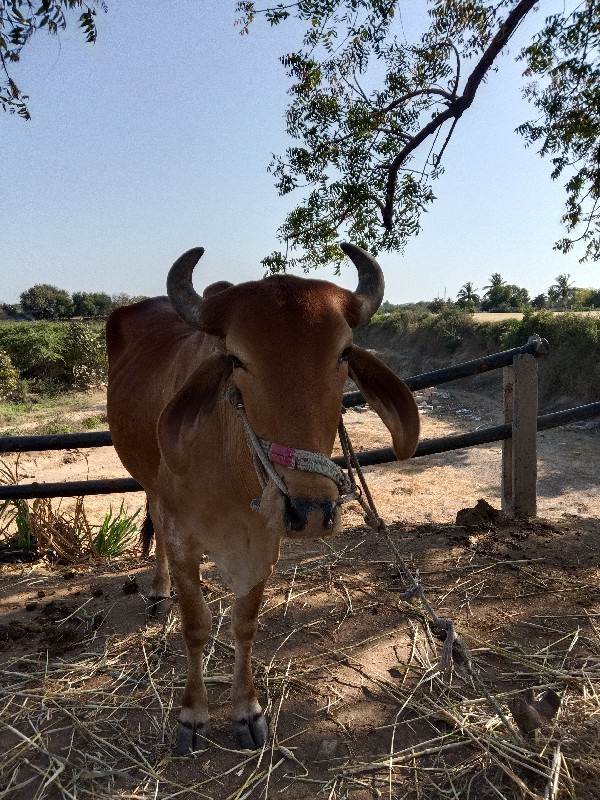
pixel 157 139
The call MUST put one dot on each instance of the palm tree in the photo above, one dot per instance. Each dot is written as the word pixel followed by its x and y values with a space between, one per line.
pixel 496 293
pixel 467 293
pixel 563 289
pixel 496 281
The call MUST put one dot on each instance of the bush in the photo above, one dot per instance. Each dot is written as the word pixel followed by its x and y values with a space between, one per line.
pixel 400 320
pixel 452 323
pixel 84 355
pixel 35 350
pixel 54 356
pixel 9 377
pixel 572 367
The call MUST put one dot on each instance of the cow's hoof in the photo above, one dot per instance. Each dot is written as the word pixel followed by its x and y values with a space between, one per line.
pixel 190 739
pixel 157 606
pixel 251 732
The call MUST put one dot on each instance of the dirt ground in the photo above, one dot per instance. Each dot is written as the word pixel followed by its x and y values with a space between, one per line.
pixel 348 672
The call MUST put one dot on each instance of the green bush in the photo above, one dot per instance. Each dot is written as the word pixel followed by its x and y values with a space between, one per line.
pixel 35 350
pixel 9 376
pixel 452 324
pixel 575 330
pixel 572 367
pixel 56 356
pixel 84 355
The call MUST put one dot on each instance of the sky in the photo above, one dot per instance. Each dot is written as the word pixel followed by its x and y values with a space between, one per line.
pixel 158 137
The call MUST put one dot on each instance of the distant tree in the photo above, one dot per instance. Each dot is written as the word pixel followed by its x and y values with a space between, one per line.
pixel 540 301
pixel 519 297
pixel 466 296
pixel 124 299
pixel 502 296
pixel 19 20
pixel 496 281
pixel 43 301
pixel 563 289
pixel 497 293
pixel 386 307
pixel 553 297
pixel 586 298
pixel 439 304
pixel 92 304
pixel 10 311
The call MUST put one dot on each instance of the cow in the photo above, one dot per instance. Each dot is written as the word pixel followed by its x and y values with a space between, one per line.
pixel 191 378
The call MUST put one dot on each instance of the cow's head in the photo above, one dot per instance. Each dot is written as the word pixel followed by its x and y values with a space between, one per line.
pixel 286 343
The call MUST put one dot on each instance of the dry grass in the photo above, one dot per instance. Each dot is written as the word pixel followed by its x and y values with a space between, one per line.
pixel 490 316
pixel 96 721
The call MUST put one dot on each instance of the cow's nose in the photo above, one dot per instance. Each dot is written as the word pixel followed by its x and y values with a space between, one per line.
pixel 297 512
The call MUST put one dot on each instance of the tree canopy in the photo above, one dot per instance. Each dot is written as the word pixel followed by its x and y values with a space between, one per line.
pixel 44 301
pixel 19 20
pixel 372 116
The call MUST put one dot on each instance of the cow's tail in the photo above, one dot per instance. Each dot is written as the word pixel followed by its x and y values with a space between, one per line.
pixel 147 532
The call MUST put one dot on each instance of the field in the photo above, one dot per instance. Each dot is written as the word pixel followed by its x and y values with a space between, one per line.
pixel 349 674
pixel 489 316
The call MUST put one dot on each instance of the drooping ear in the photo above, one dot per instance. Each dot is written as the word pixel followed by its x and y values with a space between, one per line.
pixel 389 397
pixel 181 418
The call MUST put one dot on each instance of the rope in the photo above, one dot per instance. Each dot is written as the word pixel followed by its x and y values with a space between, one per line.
pixel 454 649
pixel 441 627
pixel 265 452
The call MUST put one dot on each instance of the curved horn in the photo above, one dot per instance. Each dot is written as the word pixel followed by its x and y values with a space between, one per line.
pixel 184 298
pixel 371 283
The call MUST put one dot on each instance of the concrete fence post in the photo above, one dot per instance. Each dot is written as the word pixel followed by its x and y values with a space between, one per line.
pixel 519 453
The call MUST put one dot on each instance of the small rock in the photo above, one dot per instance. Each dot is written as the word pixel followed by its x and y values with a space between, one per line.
pixel 131 586
pixel 31 606
pixel 482 515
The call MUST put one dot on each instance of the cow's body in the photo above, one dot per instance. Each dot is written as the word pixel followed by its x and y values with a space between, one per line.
pixel 285 344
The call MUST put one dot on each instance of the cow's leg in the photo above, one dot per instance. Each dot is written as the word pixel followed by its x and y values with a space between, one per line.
pixel 160 592
pixel 250 725
pixel 192 727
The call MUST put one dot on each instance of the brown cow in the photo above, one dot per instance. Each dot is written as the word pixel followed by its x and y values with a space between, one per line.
pixel 285 345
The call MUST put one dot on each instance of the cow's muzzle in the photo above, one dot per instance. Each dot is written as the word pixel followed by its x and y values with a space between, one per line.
pixel 302 514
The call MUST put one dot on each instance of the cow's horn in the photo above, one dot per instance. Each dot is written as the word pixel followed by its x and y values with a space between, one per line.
pixel 184 298
pixel 371 283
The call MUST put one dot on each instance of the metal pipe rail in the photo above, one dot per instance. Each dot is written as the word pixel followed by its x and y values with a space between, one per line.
pixel 535 346
pixel 366 458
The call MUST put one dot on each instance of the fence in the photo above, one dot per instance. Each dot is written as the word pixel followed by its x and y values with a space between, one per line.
pixel 518 433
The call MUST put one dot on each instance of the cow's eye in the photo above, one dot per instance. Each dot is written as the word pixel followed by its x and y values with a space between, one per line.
pixel 346 354
pixel 235 362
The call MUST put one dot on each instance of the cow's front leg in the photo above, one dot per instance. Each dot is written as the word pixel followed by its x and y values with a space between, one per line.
pixel 250 726
pixel 192 727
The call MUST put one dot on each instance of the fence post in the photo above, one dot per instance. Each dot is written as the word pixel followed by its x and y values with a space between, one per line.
pixel 519 453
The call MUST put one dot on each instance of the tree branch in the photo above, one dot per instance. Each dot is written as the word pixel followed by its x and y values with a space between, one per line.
pixel 458 105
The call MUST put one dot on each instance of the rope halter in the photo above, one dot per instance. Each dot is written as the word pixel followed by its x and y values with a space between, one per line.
pixel 266 453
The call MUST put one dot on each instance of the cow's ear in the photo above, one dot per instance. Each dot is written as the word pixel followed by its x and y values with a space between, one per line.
pixel 389 397
pixel 187 410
